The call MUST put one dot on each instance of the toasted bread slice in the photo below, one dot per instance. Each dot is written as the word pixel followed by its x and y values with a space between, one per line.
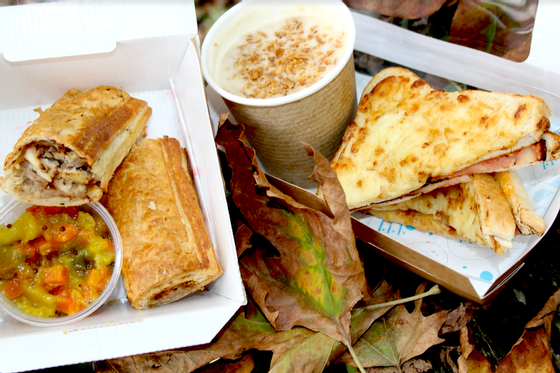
pixel 477 211
pixel 527 220
pixel 407 136
pixel 485 210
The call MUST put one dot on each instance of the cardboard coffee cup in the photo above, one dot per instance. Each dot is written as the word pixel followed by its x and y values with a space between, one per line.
pixel 276 127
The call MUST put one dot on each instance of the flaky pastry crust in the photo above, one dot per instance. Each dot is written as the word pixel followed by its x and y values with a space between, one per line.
pixel 69 153
pixel 167 250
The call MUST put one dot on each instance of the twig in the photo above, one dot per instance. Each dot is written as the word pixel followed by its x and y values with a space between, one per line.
pixel 433 291
pixel 354 356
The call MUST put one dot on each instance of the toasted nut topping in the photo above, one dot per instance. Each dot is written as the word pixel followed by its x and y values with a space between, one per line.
pixel 286 60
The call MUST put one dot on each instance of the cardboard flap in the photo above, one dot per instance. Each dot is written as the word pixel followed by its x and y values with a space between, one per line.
pixel 122 68
pixel 193 116
pixel 56 45
pixel 77 28
pixel 537 75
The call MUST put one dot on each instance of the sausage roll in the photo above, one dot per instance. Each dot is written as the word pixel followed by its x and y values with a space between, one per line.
pixel 67 156
pixel 167 251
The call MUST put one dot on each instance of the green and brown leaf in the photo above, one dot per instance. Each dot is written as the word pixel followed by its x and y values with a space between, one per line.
pixel 398 337
pixel 308 272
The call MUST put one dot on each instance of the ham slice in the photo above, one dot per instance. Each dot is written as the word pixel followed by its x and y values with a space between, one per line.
pixel 524 157
pixel 544 150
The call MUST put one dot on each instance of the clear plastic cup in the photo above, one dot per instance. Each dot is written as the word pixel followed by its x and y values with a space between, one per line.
pixel 9 213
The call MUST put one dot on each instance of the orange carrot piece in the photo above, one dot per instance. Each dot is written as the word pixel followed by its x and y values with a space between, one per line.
pixel 64 301
pixel 98 278
pixel 56 275
pixel 89 294
pixel 12 289
pixel 68 303
pixel 110 245
pixel 43 246
pixel 29 250
pixel 66 233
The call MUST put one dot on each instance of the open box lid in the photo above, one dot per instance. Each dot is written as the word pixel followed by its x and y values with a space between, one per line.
pixel 73 28
pixel 81 33
pixel 539 74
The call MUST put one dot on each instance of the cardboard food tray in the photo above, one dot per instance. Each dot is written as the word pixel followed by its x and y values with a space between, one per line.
pixel 151 51
pixel 465 268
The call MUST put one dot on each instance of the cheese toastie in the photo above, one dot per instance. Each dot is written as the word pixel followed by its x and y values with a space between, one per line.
pixel 490 210
pixel 408 139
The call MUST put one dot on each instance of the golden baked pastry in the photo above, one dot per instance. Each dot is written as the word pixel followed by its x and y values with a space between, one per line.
pixel 489 210
pixel 167 253
pixel 407 138
pixel 67 156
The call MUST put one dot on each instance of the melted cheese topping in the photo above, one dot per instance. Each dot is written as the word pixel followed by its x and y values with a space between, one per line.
pixel 449 206
pixel 477 210
pixel 405 134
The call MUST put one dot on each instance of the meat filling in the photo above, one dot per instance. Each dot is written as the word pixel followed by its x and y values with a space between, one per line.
pixel 524 157
pixel 48 166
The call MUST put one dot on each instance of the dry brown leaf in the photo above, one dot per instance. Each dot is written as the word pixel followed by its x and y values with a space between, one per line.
pixel 398 337
pixel 411 366
pixel 244 365
pixel 449 361
pixel 409 9
pixel 317 277
pixel 416 366
pixel 477 363
pixel 456 319
pixel 242 238
pixel 362 318
pixel 296 350
pixel 530 354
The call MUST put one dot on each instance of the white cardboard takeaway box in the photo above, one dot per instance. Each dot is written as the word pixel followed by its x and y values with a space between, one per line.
pixel 465 268
pixel 149 49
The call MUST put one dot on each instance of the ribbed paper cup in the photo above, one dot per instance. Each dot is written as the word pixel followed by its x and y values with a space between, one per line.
pixel 277 127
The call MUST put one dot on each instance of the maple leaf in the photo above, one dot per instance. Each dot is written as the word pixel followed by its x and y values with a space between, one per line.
pixel 398 337
pixel 363 317
pixel 296 350
pixel 531 353
pixel 317 277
